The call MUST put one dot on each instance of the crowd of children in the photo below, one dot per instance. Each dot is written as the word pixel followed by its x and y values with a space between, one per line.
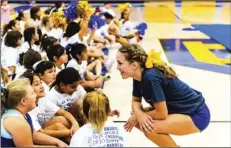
pixel 53 67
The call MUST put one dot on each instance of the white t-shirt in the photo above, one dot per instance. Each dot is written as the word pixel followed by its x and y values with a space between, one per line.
pixel 9 57
pixel 81 68
pixel 42 113
pixel 74 39
pixel 25 47
pixel 126 29
pixel 112 135
pixel 37 23
pixel 102 31
pixel 22 26
pixel 46 88
pixel 19 71
pixel 64 101
pixel 45 31
pixel 56 33
pixel 58 70
pixel 71 40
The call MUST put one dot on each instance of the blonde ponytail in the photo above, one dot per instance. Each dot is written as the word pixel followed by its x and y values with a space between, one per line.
pixel 96 108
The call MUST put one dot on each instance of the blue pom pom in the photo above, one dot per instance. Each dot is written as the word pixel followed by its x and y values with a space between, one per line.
pixel 71 11
pixel 141 28
pixel 96 21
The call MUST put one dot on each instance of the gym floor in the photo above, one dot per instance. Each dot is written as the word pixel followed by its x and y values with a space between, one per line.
pixel 195 40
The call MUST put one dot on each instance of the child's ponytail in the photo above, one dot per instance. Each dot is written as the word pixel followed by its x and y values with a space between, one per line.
pixel 96 108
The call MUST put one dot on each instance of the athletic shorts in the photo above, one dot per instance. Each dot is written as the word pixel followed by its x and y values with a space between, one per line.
pixel 201 118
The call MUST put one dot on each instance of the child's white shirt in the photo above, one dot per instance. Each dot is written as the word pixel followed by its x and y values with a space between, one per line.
pixel 81 68
pixel 58 70
pixel 46 88
pixel 112 135
pixel 45 31
pixel 64 101
pixel 25 47
pixel 75 39
pixel 56 33
pixel 126 28
pixel 71 40
pixel 37 23
pixel 19 71
pixel 9 57
pixel 43 113
pixel 102 31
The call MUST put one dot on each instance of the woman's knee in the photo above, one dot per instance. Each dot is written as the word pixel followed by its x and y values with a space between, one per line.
pixel 150 135
pixel 158 128
pixel 146 133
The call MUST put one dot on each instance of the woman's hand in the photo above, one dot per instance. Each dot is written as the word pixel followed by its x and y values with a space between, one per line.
pixel 132 121
pixel 145 122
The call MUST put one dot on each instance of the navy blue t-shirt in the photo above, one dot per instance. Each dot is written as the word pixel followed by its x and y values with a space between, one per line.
pixel 155 87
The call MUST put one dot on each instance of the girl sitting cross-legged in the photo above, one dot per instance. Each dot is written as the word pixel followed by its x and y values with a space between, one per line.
pixel 48 118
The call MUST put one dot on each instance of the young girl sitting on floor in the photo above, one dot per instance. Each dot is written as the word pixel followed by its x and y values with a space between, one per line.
pixel 79 62
pixel 10 52
pixel 48 118
pixel 99 131
pixel 66 92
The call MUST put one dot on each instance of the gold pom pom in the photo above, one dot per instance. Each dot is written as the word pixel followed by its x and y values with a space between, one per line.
pixel 122 7
pixel 84 10
pixel 58 19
